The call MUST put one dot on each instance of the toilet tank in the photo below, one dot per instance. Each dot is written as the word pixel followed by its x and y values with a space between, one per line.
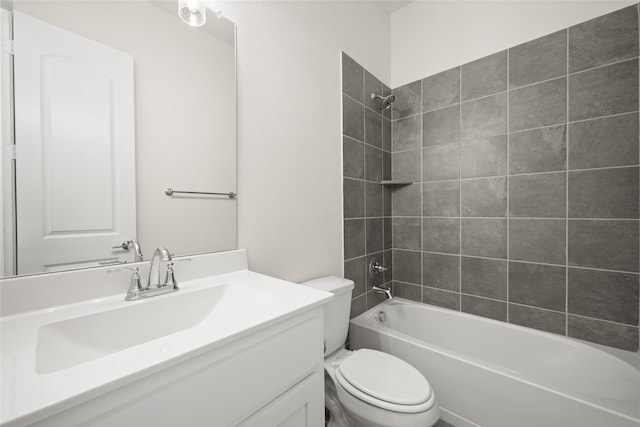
pixel 336 312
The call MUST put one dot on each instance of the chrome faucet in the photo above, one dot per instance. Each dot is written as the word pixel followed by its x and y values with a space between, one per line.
pixel 375 268
pixel 154 286
pixel 131 244
pixel 160 255
pixel 381 290
pixel 137 252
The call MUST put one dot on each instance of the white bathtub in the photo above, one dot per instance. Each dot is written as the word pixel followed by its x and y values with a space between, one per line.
pixel 491 373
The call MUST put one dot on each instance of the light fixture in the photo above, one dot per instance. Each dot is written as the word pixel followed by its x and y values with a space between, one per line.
pixel 193 12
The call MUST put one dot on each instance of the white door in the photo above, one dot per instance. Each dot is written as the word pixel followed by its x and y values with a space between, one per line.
pixel 75 154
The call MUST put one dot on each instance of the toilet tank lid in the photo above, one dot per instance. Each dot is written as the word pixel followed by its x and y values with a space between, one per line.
pixel 333 284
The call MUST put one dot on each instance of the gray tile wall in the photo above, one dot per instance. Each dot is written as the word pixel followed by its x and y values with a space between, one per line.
pixel 525 202
pixel 366 152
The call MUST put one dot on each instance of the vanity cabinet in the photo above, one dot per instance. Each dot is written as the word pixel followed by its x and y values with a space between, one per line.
pixel 296 408
pixel 231 347
pixel 273 377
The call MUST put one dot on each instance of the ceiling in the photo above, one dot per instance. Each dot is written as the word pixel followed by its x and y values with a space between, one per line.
pixel 219 27
pixel 393 5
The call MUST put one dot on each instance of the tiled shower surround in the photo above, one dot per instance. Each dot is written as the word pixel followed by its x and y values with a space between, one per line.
pixel 524 205
pixel 366 162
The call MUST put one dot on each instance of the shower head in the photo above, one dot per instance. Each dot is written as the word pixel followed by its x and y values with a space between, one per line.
pixel 385 101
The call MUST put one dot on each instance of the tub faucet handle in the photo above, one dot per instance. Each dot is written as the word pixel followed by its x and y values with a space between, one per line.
pixel 376 268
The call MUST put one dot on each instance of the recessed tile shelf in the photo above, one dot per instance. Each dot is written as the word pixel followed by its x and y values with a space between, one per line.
pixel 391 183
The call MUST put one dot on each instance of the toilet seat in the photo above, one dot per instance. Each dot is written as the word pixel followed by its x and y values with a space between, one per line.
pixel 385 381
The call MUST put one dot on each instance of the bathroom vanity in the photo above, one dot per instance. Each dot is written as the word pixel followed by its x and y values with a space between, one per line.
pixel 231 347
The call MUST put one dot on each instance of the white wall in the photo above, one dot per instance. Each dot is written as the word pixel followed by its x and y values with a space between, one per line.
pixel 289 126
pixel 432 36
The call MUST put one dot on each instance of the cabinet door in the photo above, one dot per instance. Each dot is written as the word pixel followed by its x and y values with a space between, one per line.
pixel 301 406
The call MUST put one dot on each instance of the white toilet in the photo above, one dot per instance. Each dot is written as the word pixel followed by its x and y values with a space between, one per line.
pixel 368 388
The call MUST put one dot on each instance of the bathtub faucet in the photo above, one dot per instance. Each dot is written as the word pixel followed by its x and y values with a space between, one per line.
pixel 381 290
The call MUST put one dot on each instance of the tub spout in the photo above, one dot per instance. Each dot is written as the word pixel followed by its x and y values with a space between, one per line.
pixel 381 290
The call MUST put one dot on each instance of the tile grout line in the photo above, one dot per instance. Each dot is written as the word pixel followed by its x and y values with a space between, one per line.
pixel 344 135
pixel 344 259
pixel 508 182
pixel 353 137
pixel 598 117
pixel 566 207
pixel 575 267
pixel 511 175
pixel 597 67
pixel 523 305
pixel 605 321
pixel 390 192
pixel 527 218
pixel 344 237
pixel 422 272
pixel 381 166
pixel 547 126
pixel 460 190
pixel 604 168
pixel 566 75
pixel 366 217
pixel 364 153
pixel 517 303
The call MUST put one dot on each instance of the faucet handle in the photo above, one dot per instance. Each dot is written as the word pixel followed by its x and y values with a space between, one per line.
pixel 170 279
pixel 376 268
pixel 135 286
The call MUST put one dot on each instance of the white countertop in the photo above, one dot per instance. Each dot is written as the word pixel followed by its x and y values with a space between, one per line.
pixel 27 393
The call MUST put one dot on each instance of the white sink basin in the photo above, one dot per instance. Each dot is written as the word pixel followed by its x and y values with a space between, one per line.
pixel 78 340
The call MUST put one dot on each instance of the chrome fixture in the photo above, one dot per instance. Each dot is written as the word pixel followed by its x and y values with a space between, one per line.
pixel 154 286
pixel 381 290
pixel 170 192
pixel 376 268
pixel 135 287
pixel 131 244
pixel 385 101
pixel 380 316
pixel 153 282
pixel 193 12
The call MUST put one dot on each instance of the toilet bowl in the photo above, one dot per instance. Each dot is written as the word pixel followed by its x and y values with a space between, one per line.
pixel 379 390
pixel 368 388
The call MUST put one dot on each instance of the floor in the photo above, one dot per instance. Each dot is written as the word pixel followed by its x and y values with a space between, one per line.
pixel 442 423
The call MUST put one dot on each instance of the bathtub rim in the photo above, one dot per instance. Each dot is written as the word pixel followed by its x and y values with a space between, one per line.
pixel 365 319
pixel 629 357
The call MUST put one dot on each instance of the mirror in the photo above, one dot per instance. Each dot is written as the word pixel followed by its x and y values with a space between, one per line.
pixel 115 101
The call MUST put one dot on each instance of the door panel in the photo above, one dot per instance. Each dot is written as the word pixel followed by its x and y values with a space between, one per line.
pixel 70 212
